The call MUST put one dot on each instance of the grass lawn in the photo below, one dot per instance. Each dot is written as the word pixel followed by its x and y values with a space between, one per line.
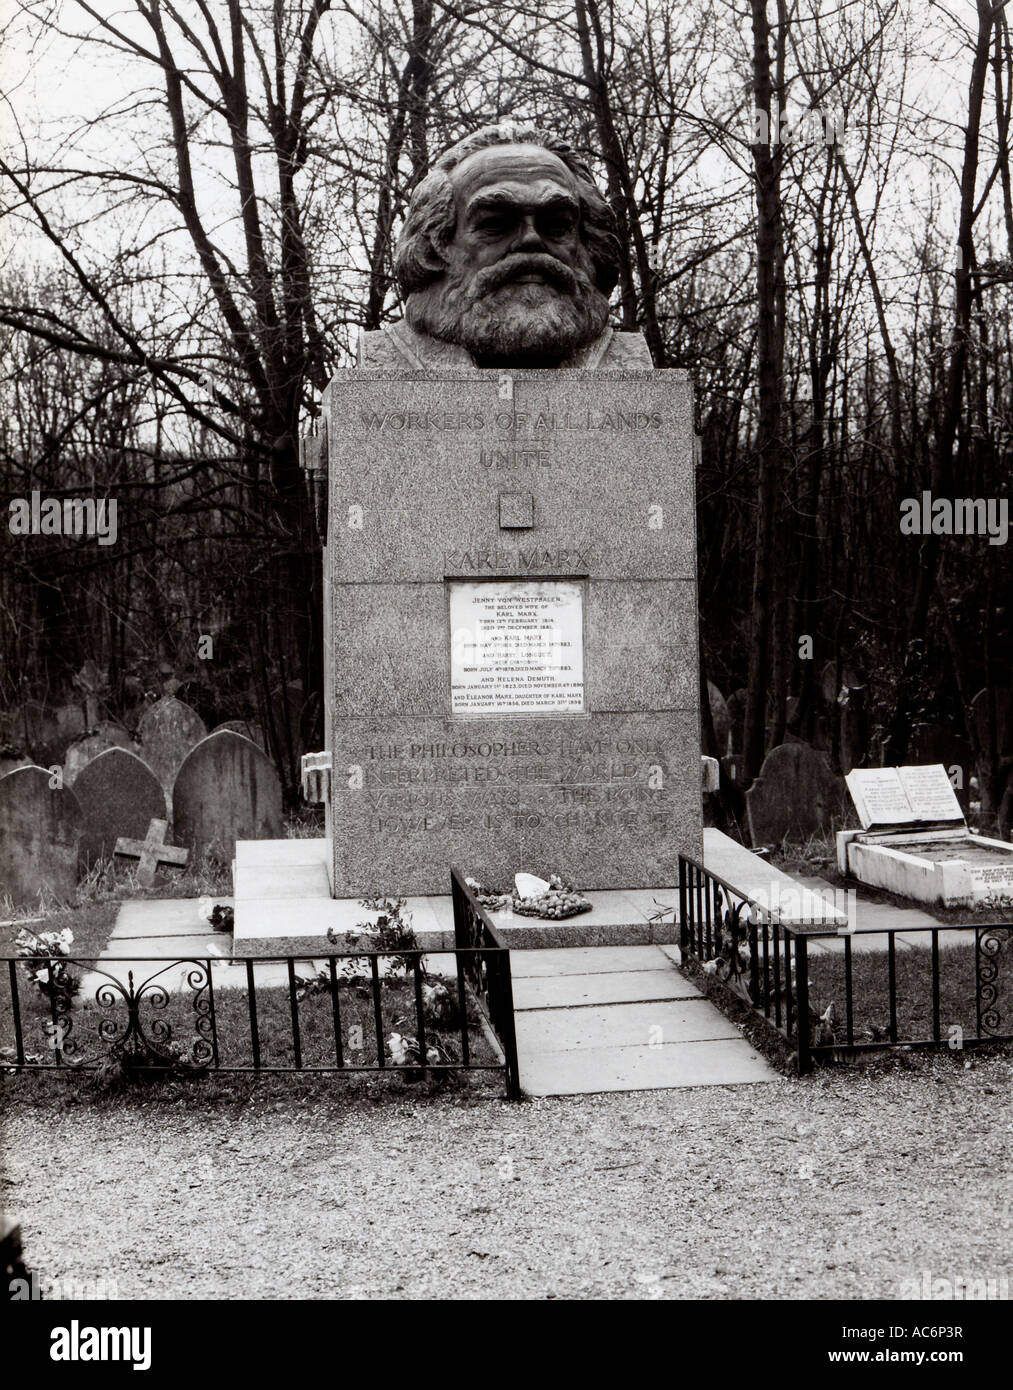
pixel 871 998
pixel 275 1032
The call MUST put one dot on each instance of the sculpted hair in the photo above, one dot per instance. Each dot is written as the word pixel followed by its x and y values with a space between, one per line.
pixel 432 217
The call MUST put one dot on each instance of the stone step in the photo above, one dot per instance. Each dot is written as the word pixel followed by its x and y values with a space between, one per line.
pixel 621 1019
pixel 284 907
pixel 570 991
pixel 589 1070
pixel 657 1022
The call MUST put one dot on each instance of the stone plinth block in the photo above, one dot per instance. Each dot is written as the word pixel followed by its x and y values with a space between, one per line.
pixel 606 802
pixel 512 676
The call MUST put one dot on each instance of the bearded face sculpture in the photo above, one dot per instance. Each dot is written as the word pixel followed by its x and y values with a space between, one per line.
pixel 509 251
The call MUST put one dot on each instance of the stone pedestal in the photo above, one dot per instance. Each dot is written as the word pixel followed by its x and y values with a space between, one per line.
pixel 511 628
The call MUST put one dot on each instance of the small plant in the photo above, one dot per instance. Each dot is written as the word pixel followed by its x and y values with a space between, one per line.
pixel 391 934
pixel 440 1008
pixel 403 1051
pixel 50 975
pixel 140 1061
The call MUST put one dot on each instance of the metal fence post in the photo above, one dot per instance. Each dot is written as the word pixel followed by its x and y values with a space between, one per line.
pixel 508 1035
pixel 805 1061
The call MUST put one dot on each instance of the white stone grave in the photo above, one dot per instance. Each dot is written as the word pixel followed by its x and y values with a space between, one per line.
pixel 915 841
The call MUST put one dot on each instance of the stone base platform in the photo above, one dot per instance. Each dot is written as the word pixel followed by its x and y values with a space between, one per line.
pixel 283 907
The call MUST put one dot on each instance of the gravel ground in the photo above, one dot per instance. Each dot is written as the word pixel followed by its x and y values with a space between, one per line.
pixel 840 1185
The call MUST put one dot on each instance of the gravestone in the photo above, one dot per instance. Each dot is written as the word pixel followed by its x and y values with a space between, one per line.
pixel 167 732
pixel 511 635
pixel 37 729
pixel 915 842
pixel 720 717
pixel 512 674
pixel 248 729
pixel 70 721
pixel 796 795
pixel 85 750
pixel 151 852
pixel 40 834
pixel 226 789
pixel 119 796
pixel 829 684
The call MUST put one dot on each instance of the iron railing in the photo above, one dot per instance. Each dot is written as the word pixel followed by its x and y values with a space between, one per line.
pixel 768 965
pixel 170 1019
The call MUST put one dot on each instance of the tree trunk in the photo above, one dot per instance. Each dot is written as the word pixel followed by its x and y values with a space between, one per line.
pixel 770 348
pixel 895 750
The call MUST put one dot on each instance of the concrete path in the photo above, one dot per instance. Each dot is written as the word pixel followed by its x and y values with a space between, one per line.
pixel 174 928
pixel 621 1018
pixel 588 1019
pixel 171 928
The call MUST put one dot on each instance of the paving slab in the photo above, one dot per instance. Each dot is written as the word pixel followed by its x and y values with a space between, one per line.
pixel 210 944
pixel 621 1025
pixel 609 987
pixel 583 1071
pixel 273 877
pixel 256 853
pixel 589 960
pixel 651 901
pixel 152 918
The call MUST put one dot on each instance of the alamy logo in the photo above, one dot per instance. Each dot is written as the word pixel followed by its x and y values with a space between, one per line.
pixel 960 516
pixel 837 907
pixel 808 127
pixel 959 1287
pixel 77 1343
pixel 73 516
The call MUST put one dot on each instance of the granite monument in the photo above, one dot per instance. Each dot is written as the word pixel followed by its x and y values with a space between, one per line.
pixel 511 622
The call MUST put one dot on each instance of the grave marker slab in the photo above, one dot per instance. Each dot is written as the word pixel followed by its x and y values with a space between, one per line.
pixel 85 750
pixel 721 717
pixel 226 789
pixel 119 796
pixel 167 732
pixel 248 730
pixel 40 835
pixel 737 720
pixel 796 795
pixel 935 743
pixel 914 841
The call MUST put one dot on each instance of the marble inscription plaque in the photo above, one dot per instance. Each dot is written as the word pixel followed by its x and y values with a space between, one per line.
pixel 517 647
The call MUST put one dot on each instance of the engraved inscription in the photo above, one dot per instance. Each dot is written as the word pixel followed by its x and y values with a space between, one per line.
pixel 517 648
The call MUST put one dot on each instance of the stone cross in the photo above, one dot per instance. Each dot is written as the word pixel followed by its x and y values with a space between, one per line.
pixel 151 851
